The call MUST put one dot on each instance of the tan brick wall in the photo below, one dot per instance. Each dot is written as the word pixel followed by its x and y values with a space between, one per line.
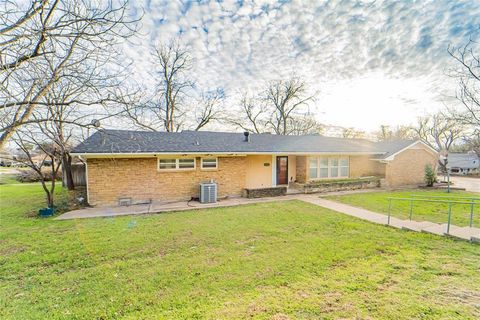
pixel 301 165
pixel 408 167
pixel 362 166
pixel 138 178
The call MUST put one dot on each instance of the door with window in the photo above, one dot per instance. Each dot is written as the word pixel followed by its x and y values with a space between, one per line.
pixel 282 170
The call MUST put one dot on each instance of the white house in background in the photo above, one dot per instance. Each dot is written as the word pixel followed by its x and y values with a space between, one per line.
pixel 463 163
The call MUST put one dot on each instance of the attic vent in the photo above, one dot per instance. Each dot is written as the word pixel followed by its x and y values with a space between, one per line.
pixel 208 192
pixel 125 202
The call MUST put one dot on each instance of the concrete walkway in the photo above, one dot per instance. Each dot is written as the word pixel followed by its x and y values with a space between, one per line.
pixel 465 233
pixel 157 207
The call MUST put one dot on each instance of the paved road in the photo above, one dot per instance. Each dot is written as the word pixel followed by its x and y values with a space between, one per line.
pixel 470 184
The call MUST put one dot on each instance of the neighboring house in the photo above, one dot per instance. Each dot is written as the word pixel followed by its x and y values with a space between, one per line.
pixel 164 166
pixel 463 163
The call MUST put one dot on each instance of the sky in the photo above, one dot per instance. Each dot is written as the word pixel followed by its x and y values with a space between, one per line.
pixel 369 63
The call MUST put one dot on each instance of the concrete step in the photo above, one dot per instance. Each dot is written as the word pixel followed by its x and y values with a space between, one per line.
pixel 474 230
pixel 438 229
pixel 464 233
pixel 418 226
pixel 411 225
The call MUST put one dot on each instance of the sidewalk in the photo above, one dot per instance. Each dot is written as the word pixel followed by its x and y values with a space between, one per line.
pixel 465 233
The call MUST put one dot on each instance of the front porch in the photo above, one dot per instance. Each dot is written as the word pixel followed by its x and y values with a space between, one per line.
pixel 313 173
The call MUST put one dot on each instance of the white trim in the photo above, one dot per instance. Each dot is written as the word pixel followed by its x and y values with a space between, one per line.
pixel 86 181
pixel 177 165
pixel 391 157
pixel 233 154
pixel 208 169
pixel 274 170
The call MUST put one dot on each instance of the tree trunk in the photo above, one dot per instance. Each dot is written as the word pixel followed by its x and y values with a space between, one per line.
pixel 67 171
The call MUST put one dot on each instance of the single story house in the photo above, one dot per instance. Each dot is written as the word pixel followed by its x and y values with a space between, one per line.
pixel 463 163
pixel 162 166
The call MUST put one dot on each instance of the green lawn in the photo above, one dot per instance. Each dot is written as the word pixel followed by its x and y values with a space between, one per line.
pixel 422 211
pixel 286 260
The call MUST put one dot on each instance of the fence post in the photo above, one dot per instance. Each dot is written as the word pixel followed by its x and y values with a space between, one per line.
pixel 471 214
pixel 449 217
pixel 389 211
pixel 411 209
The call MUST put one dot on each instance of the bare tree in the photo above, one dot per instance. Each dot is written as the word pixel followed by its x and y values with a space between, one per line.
pixel 286 97
pixel 467 72
pixel 207 109
pixel 438 131
pixel 172 106
pixel 282 108
pixel 25 140
pixel 352 133
pixel 41 43
pixel 253 115
pixel 397 133
pixel 305 124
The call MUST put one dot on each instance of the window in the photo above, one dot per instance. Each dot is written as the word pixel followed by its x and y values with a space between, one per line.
pixel 176 164
pixel 328 167
pixel 333 167
pixel 186 163
pixel 209 163
pixel 323 168
pixel 167 164
pixel 344 167
pixel 312 171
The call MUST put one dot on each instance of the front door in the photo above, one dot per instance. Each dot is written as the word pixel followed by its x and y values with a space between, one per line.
pixel 282 170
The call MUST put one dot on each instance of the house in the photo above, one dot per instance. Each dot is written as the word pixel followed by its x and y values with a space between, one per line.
pixel 162 166
pixel 463 163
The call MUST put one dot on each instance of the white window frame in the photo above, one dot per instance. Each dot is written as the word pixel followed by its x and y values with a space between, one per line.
pixel 177 164
pixel 209 168
pixel 330 160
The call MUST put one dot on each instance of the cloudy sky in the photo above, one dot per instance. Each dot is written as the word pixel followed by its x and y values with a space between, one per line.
pixel 370 62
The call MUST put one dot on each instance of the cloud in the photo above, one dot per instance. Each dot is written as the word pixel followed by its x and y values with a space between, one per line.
pixel 242 44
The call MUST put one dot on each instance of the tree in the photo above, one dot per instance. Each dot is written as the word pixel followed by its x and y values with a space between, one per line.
pixel 171 107
pixel 254 115
pixel 282 108
pixel 41 43
pixel 352 133
pixel 467 71
pixel 286 97
pixel 387 133
pixel 438 131
pixel 24 139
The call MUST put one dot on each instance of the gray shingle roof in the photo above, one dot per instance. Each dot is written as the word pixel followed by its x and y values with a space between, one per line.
pixel 463 160
pixel 123 141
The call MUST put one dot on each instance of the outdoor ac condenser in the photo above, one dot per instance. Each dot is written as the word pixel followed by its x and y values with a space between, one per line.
pixel 208 192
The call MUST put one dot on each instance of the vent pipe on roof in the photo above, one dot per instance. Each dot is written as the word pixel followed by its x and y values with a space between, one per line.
pixel 247 136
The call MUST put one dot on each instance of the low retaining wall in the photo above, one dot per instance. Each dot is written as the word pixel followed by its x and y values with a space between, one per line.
pixel 264 192
pixel 341 185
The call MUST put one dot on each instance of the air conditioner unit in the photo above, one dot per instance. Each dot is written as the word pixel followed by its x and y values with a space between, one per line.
pixel 208 192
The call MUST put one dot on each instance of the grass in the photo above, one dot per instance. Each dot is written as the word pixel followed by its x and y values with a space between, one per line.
pixel 7 178
pixel 422 211
pixel 286 260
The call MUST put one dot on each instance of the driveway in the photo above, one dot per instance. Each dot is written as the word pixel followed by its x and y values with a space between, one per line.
pixel 470 184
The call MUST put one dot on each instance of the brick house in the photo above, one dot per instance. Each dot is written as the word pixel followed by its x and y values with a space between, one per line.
pixel 162 166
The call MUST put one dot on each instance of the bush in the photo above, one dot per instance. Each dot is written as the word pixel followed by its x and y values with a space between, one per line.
pixel 32 176
pixel 430 176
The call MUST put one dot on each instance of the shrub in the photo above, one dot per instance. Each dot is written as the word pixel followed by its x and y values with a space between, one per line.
pixel 430 176
pixel 32 176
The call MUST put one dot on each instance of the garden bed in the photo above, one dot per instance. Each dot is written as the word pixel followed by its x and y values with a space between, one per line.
pixel 264 192
pixel 341 185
